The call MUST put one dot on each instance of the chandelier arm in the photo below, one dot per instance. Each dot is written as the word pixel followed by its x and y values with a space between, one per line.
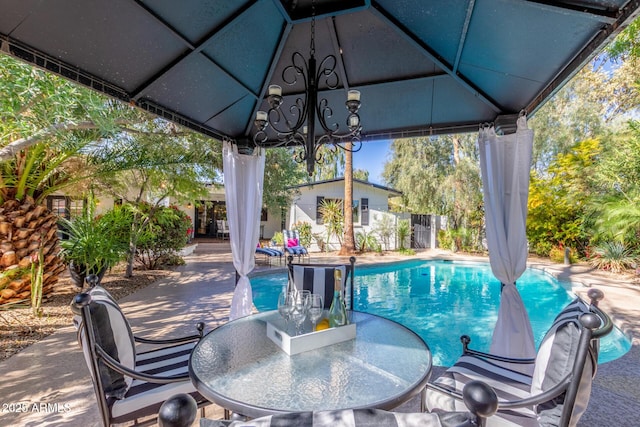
pixel 275 117
pixel 327 72
pixel 324 113
pixel 357 145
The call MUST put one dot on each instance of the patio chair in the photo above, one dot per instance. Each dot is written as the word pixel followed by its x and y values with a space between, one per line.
pixel 556 394
pixel 318 278
pixel 129 385
pixel 479 397
pixel 292 244
pixel 270 253
pixel 222 230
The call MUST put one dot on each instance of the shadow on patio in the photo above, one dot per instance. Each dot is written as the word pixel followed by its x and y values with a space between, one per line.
pixel 53 370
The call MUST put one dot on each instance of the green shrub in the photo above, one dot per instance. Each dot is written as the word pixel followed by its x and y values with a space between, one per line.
pixel 366 241
pixel 92 245
pixel 612 256
pixel 278 239
pixel 406 251
pixel 445 239
pixel 557 255
pixel 164 236
pixel 404 229
pixel 541 248
pixel 384 228
pixel 304 229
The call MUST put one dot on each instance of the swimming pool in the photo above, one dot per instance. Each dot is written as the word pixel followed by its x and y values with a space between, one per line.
pixel 441 300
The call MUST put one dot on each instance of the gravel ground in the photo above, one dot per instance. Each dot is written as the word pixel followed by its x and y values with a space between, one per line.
pixel 19 328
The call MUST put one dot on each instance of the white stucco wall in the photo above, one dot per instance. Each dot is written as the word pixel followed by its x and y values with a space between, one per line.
pixel 303 209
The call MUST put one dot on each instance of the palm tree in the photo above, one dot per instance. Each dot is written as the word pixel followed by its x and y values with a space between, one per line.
pixel 46 128
pixel 348 246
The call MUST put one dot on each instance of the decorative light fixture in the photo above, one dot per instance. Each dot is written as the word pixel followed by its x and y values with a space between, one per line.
pixel 298 128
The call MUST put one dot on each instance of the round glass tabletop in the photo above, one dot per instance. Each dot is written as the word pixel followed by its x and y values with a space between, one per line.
pixel 238 367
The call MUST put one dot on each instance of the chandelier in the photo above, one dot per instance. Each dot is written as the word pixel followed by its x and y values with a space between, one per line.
pixel 298 127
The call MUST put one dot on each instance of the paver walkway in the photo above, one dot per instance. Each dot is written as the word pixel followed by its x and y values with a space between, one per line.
pixel 52 378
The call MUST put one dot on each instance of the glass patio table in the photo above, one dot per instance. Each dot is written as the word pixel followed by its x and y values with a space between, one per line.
pixel 239 368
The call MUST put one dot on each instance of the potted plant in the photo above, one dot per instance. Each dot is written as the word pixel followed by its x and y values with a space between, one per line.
pixel 90 246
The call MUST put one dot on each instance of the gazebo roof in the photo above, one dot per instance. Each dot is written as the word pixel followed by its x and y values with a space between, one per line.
pixel 422 66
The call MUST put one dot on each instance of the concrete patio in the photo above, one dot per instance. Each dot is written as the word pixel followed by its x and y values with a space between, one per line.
pixel 52 373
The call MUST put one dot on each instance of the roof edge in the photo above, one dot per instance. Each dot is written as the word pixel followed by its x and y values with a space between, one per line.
pixel 329 181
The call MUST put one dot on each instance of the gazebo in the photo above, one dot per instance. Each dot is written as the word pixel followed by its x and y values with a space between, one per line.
pixel 233 69
pixel 423 67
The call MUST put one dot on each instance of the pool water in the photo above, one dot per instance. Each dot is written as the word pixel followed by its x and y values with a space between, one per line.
pixel 441 300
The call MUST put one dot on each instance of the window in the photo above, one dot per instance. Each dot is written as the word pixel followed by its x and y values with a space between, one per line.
pixel 364 219
pixel 75 208
pixel 58 205
pixel 263 214
pixel 355 209
pixel 319 201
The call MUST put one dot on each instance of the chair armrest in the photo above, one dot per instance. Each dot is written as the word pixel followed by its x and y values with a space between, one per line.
pixel 545 396
pixel 156 379
pixel 452 393
pixel 465 339
pixel 190 338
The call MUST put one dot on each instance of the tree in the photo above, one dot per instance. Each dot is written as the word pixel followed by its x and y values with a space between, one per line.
pixel 361 174
pixel 47 126
pixel 438 175
pixel 416 168
pixel 348 246
pixel 160 161
pixel 616 206
pixel 280 173
pixel 558 200
pixel 330 165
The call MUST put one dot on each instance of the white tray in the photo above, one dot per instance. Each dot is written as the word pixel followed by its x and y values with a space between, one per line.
pixel 308 341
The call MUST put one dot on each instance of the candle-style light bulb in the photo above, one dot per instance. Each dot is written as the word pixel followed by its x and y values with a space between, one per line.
pixel 275 90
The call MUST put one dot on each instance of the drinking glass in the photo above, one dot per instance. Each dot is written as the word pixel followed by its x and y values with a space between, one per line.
pixel 285 306
pixel 300 309
pixel 316 308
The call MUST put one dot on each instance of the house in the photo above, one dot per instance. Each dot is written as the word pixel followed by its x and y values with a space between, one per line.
pixel 371 213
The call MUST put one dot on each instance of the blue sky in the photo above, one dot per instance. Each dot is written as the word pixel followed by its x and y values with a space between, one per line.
pixel 372 157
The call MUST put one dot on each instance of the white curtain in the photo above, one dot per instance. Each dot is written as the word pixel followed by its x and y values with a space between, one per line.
pixel 243 180
pixel 505 163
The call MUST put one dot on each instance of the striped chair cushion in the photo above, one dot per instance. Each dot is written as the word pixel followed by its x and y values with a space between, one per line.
pixel 508 385
pixel 297 250
pixel 269 252
pixel 556 358
pixel 318 280
pixel 349 418
pixel 113 333
pixel 290 234
pixel 144 398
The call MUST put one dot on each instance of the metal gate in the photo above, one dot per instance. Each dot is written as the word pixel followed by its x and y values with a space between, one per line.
pixel 420 231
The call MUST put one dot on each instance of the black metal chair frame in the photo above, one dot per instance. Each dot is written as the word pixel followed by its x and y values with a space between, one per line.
pixel 480 398
pixel 595 325
pixel 350 271
pixel 99 355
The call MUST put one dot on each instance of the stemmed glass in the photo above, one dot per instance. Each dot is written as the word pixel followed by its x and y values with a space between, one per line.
pixel 300 309
pixel 285 306
pixel 316 308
